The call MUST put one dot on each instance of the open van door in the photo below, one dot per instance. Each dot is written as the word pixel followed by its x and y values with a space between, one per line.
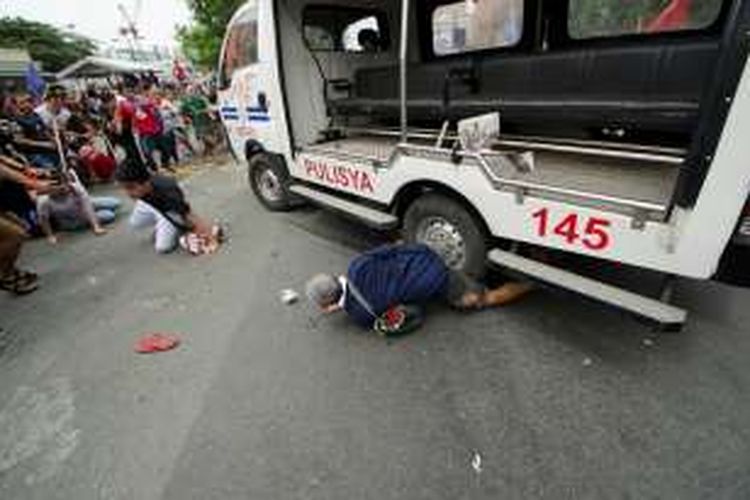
pixel 249 94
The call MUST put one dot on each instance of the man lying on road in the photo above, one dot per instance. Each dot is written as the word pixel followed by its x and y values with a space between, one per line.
pixel 386 289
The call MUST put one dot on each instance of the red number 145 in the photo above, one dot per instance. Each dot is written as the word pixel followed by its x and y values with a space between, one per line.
pixel 595 235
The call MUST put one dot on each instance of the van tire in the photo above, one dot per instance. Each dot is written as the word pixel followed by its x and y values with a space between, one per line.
pixel 269 180
pixel 448 227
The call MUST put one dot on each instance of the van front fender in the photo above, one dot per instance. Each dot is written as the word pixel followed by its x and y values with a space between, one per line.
pixel 252 148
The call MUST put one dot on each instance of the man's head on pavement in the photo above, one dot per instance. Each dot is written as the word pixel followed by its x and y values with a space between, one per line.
pixel 134 179
pixel 325 291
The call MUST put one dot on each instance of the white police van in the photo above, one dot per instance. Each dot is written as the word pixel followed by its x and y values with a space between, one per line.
pixel 615 130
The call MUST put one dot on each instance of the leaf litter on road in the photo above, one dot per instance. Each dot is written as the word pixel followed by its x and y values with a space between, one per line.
pixel 476 462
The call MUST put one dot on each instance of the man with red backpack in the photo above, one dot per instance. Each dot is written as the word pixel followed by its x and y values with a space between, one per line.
pixel 386 289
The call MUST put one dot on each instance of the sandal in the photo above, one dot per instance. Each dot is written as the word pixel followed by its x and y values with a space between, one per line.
pixel 156 342
pixel 19 282
pixel 27 275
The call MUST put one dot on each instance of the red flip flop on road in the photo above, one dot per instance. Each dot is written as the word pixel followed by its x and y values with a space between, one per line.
pixel 156 342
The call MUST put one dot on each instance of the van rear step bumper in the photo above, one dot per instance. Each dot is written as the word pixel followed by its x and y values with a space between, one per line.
pixel 666 315
pixel 371 217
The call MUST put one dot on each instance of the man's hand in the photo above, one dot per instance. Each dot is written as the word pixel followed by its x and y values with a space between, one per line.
pixel 48 145
pixel 200 226
pixel 509 292
pixel 44 186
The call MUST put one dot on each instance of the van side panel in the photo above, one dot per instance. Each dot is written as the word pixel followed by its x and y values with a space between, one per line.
pixel 690 244
pixel 722 198
pixel 252 106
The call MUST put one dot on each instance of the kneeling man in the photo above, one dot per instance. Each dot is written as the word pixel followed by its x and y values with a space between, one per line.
pixel 387 288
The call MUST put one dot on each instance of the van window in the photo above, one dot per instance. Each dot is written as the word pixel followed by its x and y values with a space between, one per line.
pixel 241 47
pixel 466 26
pixel 612 18
pixel 344 29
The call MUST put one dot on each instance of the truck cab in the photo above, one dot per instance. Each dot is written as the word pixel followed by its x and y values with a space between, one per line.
pixel 480 127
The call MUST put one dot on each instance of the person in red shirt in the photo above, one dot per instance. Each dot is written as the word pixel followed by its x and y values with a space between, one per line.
pixel 178 71
pixel 149 128
pixel 122 125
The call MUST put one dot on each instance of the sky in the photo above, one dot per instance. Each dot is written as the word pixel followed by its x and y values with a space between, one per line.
pixel 100 19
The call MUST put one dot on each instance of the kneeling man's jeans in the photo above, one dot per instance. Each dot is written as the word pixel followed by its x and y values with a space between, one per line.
pixel 166 235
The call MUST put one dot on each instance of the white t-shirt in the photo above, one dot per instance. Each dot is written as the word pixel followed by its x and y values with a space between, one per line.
pixel 47 115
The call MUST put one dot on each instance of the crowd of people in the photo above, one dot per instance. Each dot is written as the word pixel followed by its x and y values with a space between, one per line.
pixel 50 151
pixel 53 148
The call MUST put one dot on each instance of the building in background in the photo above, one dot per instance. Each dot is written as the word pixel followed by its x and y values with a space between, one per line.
pixel 13 65
pixel 157 56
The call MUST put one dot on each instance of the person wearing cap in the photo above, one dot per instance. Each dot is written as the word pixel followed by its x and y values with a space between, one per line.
pixel 53 109
pixel 387 288
pixel 34 138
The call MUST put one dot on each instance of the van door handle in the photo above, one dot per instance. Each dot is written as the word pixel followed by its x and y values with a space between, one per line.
pixel 262 101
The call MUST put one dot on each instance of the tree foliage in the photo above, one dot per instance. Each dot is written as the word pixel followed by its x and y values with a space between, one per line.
pixel 613 17
pixel 201 41
pixel 48 45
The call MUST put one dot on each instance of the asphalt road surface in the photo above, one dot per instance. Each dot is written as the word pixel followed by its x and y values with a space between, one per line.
pixel 555 397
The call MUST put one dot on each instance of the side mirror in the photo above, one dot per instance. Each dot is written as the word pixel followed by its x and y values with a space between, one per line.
pixel 222 81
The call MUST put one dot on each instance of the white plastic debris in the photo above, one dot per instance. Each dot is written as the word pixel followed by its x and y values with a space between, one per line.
pixel 289 296
pixel 648 343
pixel 476 463
pixel 588 362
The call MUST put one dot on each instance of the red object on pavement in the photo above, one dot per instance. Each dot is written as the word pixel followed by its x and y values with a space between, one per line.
pixel 156 342
pixel 674 17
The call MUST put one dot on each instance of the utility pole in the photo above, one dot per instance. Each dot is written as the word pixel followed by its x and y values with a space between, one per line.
pixel 130 28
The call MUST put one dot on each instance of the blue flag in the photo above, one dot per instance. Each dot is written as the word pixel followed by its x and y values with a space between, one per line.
pixel 35 85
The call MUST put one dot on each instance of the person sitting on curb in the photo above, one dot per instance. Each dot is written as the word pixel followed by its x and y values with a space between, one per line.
pixel 386 289
pixel 71 209
pixel 161 203
pixel 13 230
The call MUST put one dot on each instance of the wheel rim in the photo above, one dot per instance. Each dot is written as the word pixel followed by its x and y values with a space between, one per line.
pixel 269 185
pixel 444 237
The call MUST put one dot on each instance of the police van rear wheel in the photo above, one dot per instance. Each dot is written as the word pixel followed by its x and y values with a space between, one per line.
pixel 269 179
pixel 450 229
